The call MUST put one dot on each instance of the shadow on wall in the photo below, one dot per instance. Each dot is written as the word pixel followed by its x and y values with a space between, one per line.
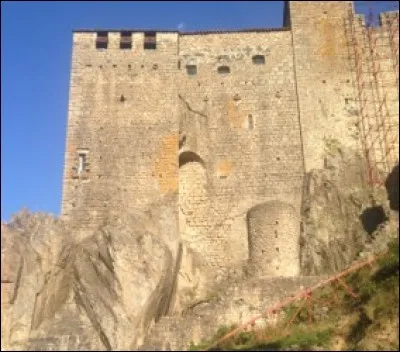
pixel 392 188
pixel 372 217
pixel 188 157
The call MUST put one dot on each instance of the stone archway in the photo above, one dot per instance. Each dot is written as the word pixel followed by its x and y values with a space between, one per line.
pixel 189 157
pixel 193 200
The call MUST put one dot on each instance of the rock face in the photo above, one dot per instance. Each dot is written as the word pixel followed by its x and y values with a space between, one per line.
pixel 341 215
pixel 97 294
pixel 231 302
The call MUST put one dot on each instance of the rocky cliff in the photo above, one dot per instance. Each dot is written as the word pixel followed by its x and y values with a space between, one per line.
pixel 100 293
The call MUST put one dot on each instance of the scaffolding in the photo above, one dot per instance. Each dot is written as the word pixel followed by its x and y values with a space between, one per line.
pixel 373 52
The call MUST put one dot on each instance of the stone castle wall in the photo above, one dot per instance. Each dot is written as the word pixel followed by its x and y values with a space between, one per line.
pixel 123 113
pixel 223 121
pixel 244 127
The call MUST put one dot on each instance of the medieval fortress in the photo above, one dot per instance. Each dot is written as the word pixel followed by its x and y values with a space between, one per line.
pixel 222 126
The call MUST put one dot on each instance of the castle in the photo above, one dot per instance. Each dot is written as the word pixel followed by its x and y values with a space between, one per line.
pixel 223 125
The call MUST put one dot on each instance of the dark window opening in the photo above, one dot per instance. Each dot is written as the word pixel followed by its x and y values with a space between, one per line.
pixel 224 70
pixel 102 40
pixel 191 70
pixel 126 40
pixel 258 59
pixel 150 40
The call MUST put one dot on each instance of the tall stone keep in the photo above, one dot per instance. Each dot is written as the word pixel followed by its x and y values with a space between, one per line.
pixel 122 141
pixel 223 125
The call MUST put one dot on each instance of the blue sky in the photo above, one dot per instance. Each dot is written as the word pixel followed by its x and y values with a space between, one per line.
pixel 36 40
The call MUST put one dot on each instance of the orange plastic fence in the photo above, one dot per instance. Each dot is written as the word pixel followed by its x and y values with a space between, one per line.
pixel 305 293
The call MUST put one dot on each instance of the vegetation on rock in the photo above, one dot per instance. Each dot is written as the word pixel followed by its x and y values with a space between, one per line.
pixel 338 321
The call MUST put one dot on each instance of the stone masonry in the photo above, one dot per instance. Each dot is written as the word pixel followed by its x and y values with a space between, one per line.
pixel 228 121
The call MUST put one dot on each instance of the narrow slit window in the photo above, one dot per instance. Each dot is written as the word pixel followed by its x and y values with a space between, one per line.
pixel 250 122
pixel 191 70
pixel 126 40
pixel 102 40
pixel 81 162
pixel 258 59
pixel 150 40
pixel 224 70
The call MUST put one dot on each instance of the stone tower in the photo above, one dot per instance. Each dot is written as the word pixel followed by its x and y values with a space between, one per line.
pixel 122 142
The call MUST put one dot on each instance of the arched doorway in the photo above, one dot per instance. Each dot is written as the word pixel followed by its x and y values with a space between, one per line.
pixel 193 199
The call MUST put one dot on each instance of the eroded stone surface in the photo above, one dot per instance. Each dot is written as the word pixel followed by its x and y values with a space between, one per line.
pixel 99 293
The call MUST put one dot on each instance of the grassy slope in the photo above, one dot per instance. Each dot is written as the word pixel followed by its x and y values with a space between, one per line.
pixel 368 322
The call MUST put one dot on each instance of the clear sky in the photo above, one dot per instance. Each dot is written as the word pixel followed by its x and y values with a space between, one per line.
pixel 36 40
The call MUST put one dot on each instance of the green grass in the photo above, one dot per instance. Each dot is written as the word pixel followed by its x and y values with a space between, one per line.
pixel 357 321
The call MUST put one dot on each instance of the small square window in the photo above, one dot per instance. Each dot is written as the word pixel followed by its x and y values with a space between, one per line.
pixel 191 70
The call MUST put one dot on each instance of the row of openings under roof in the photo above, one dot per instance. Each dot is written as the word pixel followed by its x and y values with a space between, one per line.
pixel 191 69
pixel 150 41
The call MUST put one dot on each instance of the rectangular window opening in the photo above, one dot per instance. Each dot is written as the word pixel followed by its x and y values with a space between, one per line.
pixel 191 70
pixel 126 40
pixel 224 70
pixel 250 122
pixel 102 40
pixel 150 40
pixel 258 59
pixel 81 162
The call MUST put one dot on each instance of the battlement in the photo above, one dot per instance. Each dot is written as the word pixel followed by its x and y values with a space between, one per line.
pixel 216 31
pixel 386 19
pixel 152 40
